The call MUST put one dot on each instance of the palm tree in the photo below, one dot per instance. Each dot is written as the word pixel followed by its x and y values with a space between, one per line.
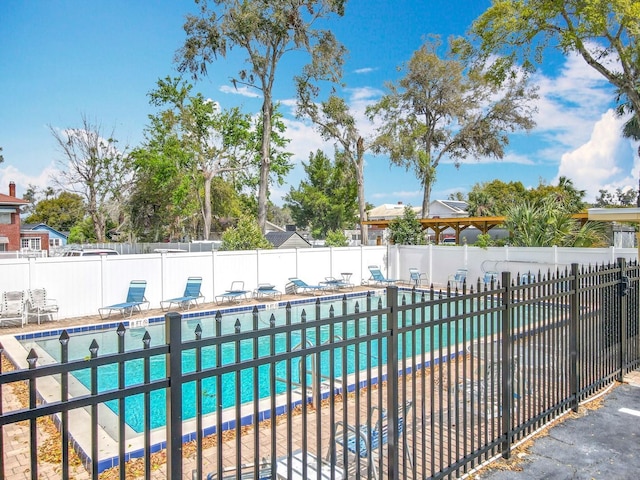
pixel 631 128
pixel 569 195
pixel 549 223
pixel 481 204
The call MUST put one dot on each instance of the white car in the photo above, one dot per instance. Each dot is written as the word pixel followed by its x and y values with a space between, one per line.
pixel 89 252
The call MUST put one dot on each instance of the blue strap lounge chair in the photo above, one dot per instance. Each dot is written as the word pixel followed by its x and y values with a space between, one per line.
pixel 191 296
pixel 458 279
pixel 371 437
pixel 527 278
pixel 378 278
pixel 416 278
pixel 490 279
pixel 135 301
pixel 303 287
pixel 266 290
pixel 234 294
pixel 333 283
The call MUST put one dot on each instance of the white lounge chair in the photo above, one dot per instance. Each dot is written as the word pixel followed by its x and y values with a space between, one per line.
pixel 40 305
pixel 12 309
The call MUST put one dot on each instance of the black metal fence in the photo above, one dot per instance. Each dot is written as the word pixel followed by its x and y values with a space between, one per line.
pixel 427 384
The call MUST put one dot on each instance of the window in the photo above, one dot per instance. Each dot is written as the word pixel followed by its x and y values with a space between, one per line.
pixel 54 242
pixel 30 243
pixel 5 218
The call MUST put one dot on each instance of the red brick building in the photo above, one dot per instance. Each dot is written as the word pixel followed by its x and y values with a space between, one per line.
pixel 11 239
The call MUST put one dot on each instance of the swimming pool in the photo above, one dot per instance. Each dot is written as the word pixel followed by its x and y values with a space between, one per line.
pixel 345 361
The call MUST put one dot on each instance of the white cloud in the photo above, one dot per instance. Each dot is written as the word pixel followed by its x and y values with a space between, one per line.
pixel 604 161
pixel 360 71
pixel 570 103
pixel 402 195
pixel 304 139
pixel 510 157
pixel 243 91
pixel 304 135
pixel 366 95
pixel 23 181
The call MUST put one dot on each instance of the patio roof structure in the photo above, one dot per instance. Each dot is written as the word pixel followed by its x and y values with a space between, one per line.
pixel 616 215
pixel 459 224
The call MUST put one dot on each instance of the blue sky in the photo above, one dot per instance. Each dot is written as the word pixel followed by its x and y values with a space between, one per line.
pixel 61 59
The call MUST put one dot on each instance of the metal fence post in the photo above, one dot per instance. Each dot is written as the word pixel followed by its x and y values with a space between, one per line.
pixel 507 365
pixel 392 381
pixel 624 300
pixel 173 362
pixel 574 340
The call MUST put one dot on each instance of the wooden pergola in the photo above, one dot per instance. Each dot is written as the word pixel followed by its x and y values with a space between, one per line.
pixel 458 224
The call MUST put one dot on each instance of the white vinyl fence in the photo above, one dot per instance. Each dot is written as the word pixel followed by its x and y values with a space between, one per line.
pixel 83 284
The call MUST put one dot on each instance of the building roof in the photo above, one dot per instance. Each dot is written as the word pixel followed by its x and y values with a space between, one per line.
pixel 388 211
pixel 631 214
pixel 12 201
pixel 272 227
pixel 42 226
pixel 459 206
pixel 277 239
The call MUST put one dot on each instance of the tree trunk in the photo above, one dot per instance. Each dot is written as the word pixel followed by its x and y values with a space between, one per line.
pixel 265 162
pixel 206 208
pixel 362 207
pixel 426 199
pixel 96 217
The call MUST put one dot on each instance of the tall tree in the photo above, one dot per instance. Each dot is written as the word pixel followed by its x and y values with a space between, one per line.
pixel 95 168
pixel 61 212
pixel 213 142
pixel 280 163
pixel 31 196
pixel 327 200
pixel 604 33
pixel 266 30
pixel 564 194
pixel 336 123
pixel 620 198
pixel 492 199
pixel 439 110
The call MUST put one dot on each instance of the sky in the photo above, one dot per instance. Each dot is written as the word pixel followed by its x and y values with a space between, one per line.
pixel 61 60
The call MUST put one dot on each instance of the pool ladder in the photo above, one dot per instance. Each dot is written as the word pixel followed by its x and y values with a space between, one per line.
pixel 312 390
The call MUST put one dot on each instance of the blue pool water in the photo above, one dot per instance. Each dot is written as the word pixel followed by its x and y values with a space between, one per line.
pixel 134 410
